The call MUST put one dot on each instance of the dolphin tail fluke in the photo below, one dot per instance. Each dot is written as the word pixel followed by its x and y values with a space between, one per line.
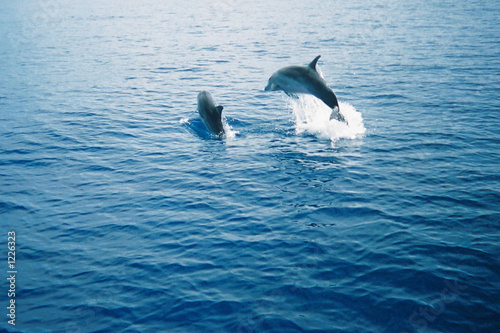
pixel 337 115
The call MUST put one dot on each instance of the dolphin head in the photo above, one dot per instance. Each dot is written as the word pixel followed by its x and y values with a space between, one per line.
pixel 271 84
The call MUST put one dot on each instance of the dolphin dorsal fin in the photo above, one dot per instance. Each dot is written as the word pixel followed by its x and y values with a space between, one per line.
pixel 219 109
pixel 313 63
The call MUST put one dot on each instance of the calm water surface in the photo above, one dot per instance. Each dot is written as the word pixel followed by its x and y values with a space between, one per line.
pixel 130 217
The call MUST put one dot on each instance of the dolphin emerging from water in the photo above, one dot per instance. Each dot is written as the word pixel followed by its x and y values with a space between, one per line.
pixel 305 80
pixel 210 113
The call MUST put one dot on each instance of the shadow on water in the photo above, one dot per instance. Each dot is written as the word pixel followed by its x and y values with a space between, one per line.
pixel 197 128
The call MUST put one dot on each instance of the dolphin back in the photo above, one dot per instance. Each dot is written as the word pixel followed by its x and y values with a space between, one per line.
pixel 210 113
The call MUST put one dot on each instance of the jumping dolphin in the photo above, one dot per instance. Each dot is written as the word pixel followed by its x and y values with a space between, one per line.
pixel 305 80
pixel 210 113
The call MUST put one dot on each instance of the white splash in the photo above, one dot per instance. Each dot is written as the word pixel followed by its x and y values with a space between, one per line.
pixel 229 132
pixel 313 116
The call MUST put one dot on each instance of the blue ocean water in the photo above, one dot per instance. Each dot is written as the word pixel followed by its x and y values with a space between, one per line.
pixel 129 217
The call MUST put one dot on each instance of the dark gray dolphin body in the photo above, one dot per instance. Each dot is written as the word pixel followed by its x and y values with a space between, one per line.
pixel 305 80
pixel 210 113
